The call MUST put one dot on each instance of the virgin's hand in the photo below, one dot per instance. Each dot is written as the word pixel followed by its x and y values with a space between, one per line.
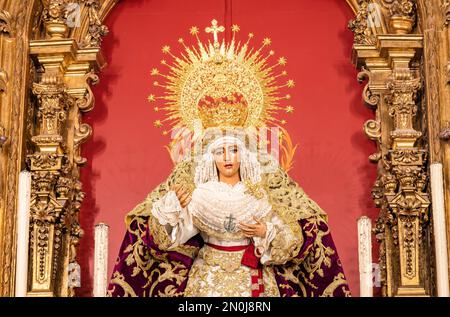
pixel 183 194
pixel 254 230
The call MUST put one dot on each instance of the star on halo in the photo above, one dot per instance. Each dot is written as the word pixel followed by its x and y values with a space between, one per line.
pixel 235 28
pixel 193 30
pixel 267 41
pixel 290 83
pixel 282 61
pixel 289 109
pixel 166 49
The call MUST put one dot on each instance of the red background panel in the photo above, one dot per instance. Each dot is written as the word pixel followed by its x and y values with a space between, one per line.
pixel 126 155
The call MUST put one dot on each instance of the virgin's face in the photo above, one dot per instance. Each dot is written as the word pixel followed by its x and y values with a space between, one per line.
pixel 227 159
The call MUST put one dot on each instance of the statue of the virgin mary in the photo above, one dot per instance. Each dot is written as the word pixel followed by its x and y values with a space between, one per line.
pixel 228 221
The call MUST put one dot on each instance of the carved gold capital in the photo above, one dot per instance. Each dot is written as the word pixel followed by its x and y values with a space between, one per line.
pixel 52 110
pixel 401 101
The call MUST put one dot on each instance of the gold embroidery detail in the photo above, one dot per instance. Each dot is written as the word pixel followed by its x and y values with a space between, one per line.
pixel 228 261
pixel 119 280
pixel 254 189
pixel 287 198
pixel 315 261
pixel 286 245
pixel 339 280
pixel 209 277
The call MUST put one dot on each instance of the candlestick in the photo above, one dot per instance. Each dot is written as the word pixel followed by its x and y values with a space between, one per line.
pixel 101 260
pixel 440 236
pixel 365 256
pixel 23 225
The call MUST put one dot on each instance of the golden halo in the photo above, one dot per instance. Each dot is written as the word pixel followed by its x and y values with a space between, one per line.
pixel 239 83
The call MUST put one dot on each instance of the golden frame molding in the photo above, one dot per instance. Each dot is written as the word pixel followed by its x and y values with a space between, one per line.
pixel 46 69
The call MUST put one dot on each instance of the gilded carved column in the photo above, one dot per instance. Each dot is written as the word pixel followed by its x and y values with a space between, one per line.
pixel 434 25
pixel 66 69
pixel 49 186
pixel 405 184
pixel 389 56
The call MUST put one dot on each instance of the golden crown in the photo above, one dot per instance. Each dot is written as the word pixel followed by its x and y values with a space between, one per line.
pixel 228 111
pixel 221 84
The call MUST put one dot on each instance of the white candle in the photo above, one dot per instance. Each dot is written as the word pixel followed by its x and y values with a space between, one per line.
pixel 440 235
pixel 101 260
pixel 365 256
pixel 23 225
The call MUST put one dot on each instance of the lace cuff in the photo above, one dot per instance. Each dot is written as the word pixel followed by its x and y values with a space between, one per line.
pixel 262 245
pixel 167 209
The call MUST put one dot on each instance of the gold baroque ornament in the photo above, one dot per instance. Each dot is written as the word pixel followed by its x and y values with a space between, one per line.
pixel 5 22
pixel 402 15
pixel 221 84
pixel 360 25
pixel 96 29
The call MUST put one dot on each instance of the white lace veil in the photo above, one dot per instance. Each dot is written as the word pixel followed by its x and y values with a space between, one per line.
pixel 249 169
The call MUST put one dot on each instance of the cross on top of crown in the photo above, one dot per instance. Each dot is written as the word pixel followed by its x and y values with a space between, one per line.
pixel 215 30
